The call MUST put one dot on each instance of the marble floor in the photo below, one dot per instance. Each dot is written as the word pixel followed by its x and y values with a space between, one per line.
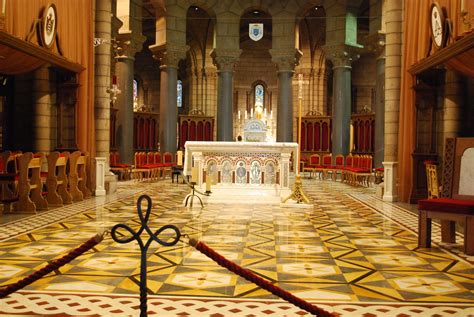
pixel 351 254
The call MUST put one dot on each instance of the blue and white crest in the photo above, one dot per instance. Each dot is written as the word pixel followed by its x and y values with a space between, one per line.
pixel 256 31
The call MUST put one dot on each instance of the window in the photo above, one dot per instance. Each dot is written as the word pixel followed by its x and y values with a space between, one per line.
pixel 259 94
pixel 135 94
pixel 179 98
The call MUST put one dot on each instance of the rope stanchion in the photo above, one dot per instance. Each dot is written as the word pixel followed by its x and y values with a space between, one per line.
pixel 54 265
pixel 252 277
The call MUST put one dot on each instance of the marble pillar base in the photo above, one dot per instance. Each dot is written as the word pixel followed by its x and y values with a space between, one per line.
pixel 390 181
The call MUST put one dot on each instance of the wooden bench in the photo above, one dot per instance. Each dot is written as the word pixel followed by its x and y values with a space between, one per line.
pixel 8 179
pixel 30 197
pixel 56 181
pixel 457 208
pixel 78 177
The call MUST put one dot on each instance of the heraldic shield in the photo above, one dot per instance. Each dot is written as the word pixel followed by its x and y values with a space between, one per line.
pixel 256 31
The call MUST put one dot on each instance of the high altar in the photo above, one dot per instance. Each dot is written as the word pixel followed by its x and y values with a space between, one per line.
pixel 252 172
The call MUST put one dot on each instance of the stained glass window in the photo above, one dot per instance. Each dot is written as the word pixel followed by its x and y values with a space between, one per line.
pixel 135 93
pixel 179 100
pixel 259 94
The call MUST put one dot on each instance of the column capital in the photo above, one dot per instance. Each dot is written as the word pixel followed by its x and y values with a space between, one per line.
pixel 128 44
pixel 225 59
pixel 286 59
pixel 341 55
pixel 375 43
pixel 169 54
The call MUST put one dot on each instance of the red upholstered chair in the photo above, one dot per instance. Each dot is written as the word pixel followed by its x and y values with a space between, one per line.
pixel 314 162
pixel 123 170
pixel 447 209
pixel 168 163
pixel 142 170
pixel 346 171
pixel 459 208
pixel 326 167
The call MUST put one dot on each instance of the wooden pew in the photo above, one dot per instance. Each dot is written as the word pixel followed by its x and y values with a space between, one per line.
pixel 8 179
pixel 30 196
pixel 56 181
pixel 457 208
pixel 78 177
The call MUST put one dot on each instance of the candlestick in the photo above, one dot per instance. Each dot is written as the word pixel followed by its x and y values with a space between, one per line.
pixel 208 184
pixel 179 158
pixel 462 6
pixel 194 174
pixel 238 114
pixel 4 5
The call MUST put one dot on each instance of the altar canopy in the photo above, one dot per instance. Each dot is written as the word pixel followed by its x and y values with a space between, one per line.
pixel 252 172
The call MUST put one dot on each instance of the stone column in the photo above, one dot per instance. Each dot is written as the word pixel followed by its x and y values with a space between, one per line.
pixel 452 110
pixel 42 114
pixel 341 58
pixel 225 61
pixel 129 44
pixel 169 57
pixel 393 52
pixel 379 109
pixel 286 60
pixel 103 29
pixel 124 128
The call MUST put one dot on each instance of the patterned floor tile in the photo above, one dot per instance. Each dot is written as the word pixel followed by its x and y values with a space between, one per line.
pixel 351 250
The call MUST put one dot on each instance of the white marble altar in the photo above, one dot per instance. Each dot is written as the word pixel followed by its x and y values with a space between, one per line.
pixel 253 172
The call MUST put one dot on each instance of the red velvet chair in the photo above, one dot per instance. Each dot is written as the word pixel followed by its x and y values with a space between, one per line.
pixel 459 208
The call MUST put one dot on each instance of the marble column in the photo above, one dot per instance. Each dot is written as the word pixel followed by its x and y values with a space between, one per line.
pixel 379 112
pixel 169 57
pixel 393 52
pixel 225 61
pixel 124 123
pixel 168 104
pixel 129 44
pixel 341 110
pixel 286 60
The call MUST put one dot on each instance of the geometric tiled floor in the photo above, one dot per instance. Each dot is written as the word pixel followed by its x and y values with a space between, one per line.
pixel 352 254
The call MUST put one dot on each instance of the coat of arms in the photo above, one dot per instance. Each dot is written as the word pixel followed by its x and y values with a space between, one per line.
pixel 256 31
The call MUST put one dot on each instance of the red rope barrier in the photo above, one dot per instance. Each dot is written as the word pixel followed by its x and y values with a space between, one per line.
pixel 54 265
pixel 252 277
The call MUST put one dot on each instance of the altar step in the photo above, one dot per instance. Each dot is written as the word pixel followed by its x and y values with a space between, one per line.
pixel 245 195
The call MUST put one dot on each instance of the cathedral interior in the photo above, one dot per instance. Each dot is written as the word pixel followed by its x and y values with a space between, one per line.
pixel 324 147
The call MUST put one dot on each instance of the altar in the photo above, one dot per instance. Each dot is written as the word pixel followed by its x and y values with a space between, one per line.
pixel 243 172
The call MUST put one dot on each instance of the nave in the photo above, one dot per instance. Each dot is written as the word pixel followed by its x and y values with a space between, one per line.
pixel 352 254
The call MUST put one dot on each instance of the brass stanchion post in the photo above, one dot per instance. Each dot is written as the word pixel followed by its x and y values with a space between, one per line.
pixel 298 193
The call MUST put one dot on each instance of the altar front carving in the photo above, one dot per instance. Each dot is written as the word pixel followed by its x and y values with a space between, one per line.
pixel 245 171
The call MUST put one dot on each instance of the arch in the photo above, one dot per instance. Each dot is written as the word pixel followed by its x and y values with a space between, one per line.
pixel 200 29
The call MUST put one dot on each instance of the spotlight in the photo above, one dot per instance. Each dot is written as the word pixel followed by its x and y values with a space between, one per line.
pixel 256 12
